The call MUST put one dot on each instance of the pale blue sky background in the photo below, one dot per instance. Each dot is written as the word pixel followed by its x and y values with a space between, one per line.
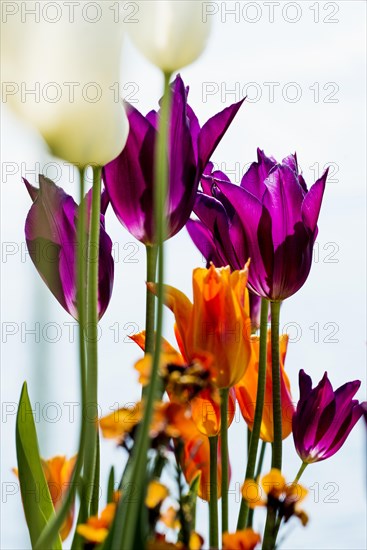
pixel 305 52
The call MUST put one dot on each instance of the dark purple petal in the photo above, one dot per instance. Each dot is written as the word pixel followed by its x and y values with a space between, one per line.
pixel 194 130
pixel 256 224
pixel 213 215
pixel 213 131
pixel 202 239
pixel 51 239
pixel 305 385
pixel 183 183
pixel 253 179
pixel 106 269
pixel 291 162
pixel 52 243
pixel 344 430
pixel 312 202
pixel 129 178
pixel 324 418
pixel 153 118
pixel 334 415
pixel 105 201
pixel 33 191
pixel 283 200
pixel 308 413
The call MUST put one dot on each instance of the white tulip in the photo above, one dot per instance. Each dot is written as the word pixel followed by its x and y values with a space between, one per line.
pixel 170 33
pixel 62 77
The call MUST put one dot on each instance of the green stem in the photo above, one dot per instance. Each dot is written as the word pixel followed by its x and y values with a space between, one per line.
pixel 224 393
pixel 257 474
pixel 300 472
pixel 90 455
pixel 271 531
pixel 276 459
pixel 151 254
pixel 260 396
pixel 213 502
pixel 52 529
pixel 127 515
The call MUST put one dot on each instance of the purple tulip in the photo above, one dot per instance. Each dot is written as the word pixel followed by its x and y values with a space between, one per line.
pixel 324 418
pixel 129 179
pixel 51 237
pixel 271 218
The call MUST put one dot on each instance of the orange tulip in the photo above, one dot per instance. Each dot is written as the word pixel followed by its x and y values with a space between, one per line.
pixel 218 322
pixel 196 460
pixel 205 407
pixel 246 390
pixel 205 410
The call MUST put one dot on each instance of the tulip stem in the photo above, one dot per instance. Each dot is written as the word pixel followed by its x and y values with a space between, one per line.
pixel 257 474
pixel 50 533
pixel 271 531
pixel 300 472
pixel 213 498
pixel 128 511
pixel 151 254
pixel 276 459
pixel 260 396
pixel 224 393
pixel 90 455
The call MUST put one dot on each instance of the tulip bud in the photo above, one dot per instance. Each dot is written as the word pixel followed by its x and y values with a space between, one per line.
pixel 170 33
pixel 63 75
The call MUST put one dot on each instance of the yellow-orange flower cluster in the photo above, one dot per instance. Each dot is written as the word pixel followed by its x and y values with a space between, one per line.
pixel 273 491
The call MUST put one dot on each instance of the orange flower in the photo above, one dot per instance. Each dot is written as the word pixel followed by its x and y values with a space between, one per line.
pixel 58 471
pixel 217 322
pixel 246 390
pixel 121 422
pixel 241 540
pixel 273 491
pixel 188 380
pixel 96 529
pixel 205 410
pixel 196 460
pixel 170 518
pixel 156 494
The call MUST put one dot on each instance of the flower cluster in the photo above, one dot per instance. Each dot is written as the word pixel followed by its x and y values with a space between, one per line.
pixel 257 239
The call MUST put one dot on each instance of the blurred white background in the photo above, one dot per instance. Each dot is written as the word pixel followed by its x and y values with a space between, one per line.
pixel 315 67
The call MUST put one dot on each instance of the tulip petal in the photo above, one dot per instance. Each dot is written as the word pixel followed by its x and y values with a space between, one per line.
pixel 345 428
pixel 212 213
pixel 213 131
pixel 312 202
pixel 203 240
pixel 129 178
pixel 253 179
pixel 51 239
pixel 256 223
pixel 181 307
pixel 183 182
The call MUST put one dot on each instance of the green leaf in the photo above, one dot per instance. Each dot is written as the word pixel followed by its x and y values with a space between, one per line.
pixel 111 485
pixel 37 502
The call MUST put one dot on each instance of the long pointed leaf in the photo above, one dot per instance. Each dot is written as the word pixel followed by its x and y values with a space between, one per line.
pixel 37 502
